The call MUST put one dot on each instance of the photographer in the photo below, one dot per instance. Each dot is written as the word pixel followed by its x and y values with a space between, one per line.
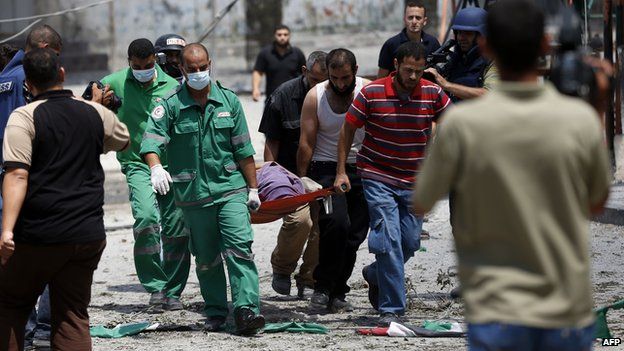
pixel 141 86
pixel 468 74
pixel 168 51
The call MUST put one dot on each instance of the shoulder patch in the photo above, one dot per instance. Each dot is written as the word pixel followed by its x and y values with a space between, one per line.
pixel 158 112
pixel 6 86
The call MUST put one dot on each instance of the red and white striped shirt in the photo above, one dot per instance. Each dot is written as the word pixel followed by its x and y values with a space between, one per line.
pixel 396 131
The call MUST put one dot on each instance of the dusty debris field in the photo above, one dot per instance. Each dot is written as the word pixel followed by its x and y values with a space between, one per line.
pixel 118 297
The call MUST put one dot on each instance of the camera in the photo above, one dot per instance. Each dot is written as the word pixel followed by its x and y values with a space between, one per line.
pixel 569 72
pixel 439 59
pixel 113 105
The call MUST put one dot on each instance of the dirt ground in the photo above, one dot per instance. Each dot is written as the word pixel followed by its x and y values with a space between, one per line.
pixel 119 298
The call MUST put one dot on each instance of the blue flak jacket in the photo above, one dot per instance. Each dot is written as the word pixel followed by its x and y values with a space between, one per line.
pixel 11 90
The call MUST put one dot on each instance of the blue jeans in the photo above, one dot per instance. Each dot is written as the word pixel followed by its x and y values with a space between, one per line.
pixel 394 237
pixel 40 318
pixel 500 336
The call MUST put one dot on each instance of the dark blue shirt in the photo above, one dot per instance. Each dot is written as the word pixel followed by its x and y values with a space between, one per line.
pixel 389 48
pixel 11 90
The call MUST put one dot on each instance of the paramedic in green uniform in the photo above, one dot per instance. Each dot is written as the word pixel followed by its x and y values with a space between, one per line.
pixel 141 86
pixel 202 127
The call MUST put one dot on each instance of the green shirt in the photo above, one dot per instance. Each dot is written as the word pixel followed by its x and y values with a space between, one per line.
pixel 525 164
pixel 204 145
pixel 137 103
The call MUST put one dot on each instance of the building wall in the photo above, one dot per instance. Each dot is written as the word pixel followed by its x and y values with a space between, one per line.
pixel 109 28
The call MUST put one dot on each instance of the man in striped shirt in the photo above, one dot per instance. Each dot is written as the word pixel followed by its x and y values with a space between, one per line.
pixel 398 113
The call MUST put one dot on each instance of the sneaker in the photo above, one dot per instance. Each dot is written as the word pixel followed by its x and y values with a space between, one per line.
pixel 247 321
pixel 338 305
pixel 319 299
pixel 388 317
pixel 173 304
pixel 41 338
pixel 304 291
pixel 281 283
pixel 373 290
pixel 456 292
pixel 214 323
pixel 157 299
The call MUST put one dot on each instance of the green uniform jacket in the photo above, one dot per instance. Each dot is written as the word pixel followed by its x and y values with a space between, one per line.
pixel 137 103
pixel 204 145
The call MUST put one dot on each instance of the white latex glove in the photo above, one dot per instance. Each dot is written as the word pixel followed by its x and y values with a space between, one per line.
pixel 160 179
pixel 309 185
pixel 253 200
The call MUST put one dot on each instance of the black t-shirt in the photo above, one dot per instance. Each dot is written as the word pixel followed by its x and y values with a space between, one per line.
pixel 279 69
pixel 281 120
pixel 389 48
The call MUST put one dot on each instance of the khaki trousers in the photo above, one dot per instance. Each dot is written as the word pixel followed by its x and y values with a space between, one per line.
pixel 296 230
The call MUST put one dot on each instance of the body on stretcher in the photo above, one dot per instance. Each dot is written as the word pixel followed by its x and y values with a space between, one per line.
pixel 282 192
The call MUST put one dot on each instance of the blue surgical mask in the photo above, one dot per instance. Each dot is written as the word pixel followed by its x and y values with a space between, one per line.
pixel 198 80
pixel 144 75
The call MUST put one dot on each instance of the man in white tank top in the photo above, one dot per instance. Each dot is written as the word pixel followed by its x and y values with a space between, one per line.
pixel 342 231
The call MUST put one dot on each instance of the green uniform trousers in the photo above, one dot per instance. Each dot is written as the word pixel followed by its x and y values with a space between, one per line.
pixel 222 232
pixel 156 219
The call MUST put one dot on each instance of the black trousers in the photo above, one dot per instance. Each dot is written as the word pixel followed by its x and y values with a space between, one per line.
pixel 341 232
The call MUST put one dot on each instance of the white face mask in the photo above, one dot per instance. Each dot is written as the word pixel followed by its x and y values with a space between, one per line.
pixel 144 75
pixel 198 80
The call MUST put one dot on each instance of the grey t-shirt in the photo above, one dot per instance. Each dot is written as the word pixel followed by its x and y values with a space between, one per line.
pixel 525 164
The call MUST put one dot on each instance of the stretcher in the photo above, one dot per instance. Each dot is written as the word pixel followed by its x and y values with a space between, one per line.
pixel 273 210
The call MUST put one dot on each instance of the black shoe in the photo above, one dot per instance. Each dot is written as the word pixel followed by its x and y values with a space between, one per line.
pixel 214 323
pixel 373 290
pixel 281 283
pixel 173 304
pixel 247 321
pixel 456 292
pixel 338 305
pixel 388 317
pixel 424 235
pixel 319 300
pixel 157 299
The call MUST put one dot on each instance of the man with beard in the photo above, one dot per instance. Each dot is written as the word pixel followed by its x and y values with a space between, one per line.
pixel 415 19
pixel 168 48
pixel 280 124
pixel 343 230
pixel 279 60
pixel 398 113
pixel 468 73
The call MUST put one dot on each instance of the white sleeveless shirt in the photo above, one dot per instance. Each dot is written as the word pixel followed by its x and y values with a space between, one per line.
pixel 329 125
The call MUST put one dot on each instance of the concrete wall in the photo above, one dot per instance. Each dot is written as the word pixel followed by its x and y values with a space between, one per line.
pixel 110 28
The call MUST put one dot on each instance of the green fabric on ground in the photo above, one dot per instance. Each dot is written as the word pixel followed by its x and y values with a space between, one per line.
pixel 437 326
pixel 422 249
pixel 119 331
pixel 295 327
pixel 602 328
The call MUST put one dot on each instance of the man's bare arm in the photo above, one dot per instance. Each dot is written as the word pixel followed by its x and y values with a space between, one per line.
pixel 347 132
pixel 256 78
pixel 461 91
pixel 151 159
pixel 14 190
pixel 271 149
pixel 248 168
pixel 309 129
